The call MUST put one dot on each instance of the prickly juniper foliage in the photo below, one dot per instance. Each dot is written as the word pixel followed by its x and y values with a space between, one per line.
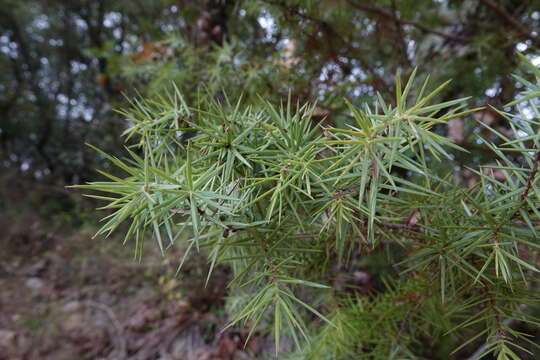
pixel 286 202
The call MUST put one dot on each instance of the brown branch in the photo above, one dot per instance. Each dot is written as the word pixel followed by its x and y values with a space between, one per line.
pixel 509 19
pixel 531 177
pixel 340 193
pixel 378 82
pixel 387 14
pixel 399 29
pixel 414 228
pixel 523 197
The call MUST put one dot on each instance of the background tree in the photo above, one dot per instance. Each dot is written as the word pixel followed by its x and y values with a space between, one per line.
pixel 68 63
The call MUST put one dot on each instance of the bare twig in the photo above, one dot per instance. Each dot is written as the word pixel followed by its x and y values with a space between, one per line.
pixel 509 19
pixel 414 228
pixel 531 177
pixel 340 193
pixel 387 14
pixel 523 197
pixel 378 82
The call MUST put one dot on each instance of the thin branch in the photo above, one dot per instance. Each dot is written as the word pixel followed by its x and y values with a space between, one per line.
pixel 414 228
pixel 509 19
pixel 340 193
pixel 523 197
pixel 387 14
pixel 402 37
pixel 378 82
pixel 531 177
pixel 509 322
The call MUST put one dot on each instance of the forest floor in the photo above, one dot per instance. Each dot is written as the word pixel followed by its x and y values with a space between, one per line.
pixel 68 296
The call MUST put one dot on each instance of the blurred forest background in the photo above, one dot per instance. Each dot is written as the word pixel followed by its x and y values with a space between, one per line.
pixel 67 65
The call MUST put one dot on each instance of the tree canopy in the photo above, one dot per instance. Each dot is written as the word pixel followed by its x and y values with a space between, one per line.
pixel 67 64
